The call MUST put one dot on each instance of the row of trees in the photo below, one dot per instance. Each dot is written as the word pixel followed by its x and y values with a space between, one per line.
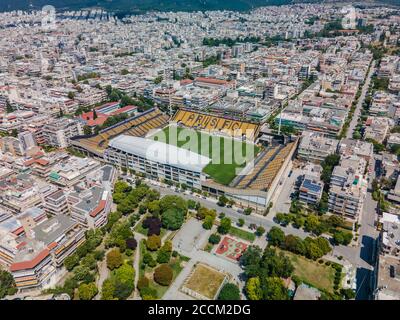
pixel 312 248
pixel 213 42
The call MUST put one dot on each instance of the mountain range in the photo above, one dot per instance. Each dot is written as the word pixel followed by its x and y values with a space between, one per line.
pixel 139 6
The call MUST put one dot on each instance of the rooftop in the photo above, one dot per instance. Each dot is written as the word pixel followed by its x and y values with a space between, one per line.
pixel 160 152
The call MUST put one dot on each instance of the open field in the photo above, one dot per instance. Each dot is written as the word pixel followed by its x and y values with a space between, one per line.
pixel 243 234
pixel 226 154
pixel 205 281
pixel 311 272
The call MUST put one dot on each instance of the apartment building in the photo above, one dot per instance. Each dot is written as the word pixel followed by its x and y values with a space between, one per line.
pixel 43 250
pixel 90 207
pixel 348 188
pixel 58 132
pixel 315 147
pixel 311 189
pixel 68 172
pixel 56 203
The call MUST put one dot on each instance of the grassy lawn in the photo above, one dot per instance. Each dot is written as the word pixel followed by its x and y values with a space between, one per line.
pixel 223 165
pixel 176 265
pixel 205 281
pixel 311 272
pixel 243 234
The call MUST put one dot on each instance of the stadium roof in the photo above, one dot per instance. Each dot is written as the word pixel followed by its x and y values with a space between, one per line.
pixel 160 152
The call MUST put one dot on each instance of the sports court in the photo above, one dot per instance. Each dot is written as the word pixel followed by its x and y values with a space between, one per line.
pixel 231 248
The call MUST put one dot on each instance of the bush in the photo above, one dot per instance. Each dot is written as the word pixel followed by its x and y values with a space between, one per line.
pixel 163 256
pixel 214 238
pixel 148 293
pixel 175 253
pixel 153 242
pixel 229 291
pixel 148 259
pixel 143 282
pixel 163 275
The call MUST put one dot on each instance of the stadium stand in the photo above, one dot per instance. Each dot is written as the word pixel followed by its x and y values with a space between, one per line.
pixel 266 167
pixel 212 123
pixel 137 126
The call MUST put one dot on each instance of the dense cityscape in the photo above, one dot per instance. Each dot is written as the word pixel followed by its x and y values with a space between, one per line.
pixel 216 155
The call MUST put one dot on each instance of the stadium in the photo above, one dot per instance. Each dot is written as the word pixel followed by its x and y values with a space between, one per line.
pixel 231 162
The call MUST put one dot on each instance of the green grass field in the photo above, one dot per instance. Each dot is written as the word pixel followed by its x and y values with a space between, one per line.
pixel 311 272
pixel 243 234
pixel 226 154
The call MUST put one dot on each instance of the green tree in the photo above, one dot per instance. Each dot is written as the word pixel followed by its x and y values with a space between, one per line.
pixel 108 289
pixel 153 242
pixel 276 264
pixel 82 273
pixel 87 130
pixel 173 219
pixel 241 222
pixel 276 236
pixel 222 201
pixel 124 281
pixel 173 202
pixel 214 238
pixel 260 231
pixel 253 289
pixel 87 291
pixel 7 284
pixel 247 211
pixel 225 225
pixel 229 291
pixel 208 223
pixel 148 259
pixel 342 237
pixel 71 95
pixel 163 275
pixel 294 244
pixel 114 259
pixel 273 288
pixel 71 261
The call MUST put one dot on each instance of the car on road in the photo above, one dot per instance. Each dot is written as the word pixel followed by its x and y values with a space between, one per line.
pixel 240 210
pixel 290 173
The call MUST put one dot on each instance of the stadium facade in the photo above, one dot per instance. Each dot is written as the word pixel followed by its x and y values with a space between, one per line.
pixel 157 160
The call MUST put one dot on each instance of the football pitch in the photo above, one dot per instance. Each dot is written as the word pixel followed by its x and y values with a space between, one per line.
pixel 227 155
